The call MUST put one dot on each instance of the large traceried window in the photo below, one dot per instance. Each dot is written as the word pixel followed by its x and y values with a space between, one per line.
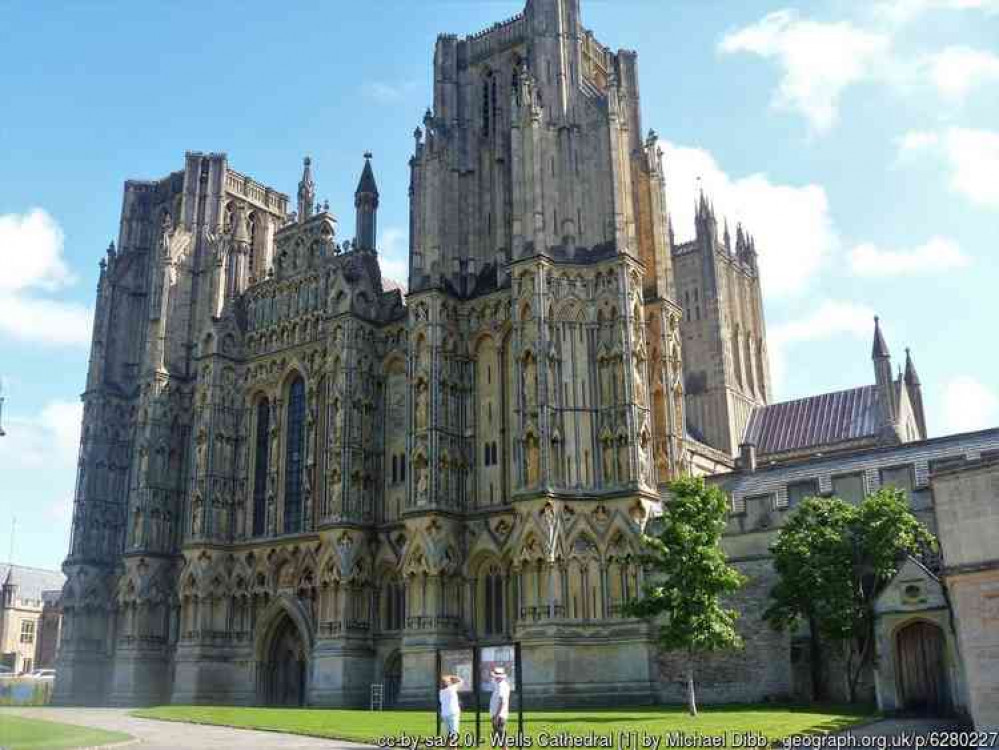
pixel 260 468
pixel 294 457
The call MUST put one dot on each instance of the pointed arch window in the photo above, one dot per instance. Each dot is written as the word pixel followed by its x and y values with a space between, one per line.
pixel 495 619
pixel 260 468
pixel 294 457
pixel 485 106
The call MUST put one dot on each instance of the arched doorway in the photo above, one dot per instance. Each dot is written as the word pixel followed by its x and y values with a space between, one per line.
pixel 392 678
pixel 921 677
pixel 284 666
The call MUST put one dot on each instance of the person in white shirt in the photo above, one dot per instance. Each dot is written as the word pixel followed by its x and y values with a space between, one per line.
pixel 499 704
pixel 450 706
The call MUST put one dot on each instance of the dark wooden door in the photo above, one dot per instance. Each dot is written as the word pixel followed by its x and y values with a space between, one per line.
pixel 922 685
pixel 392 679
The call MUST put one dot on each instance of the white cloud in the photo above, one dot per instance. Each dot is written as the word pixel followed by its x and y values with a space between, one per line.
pixel 382 92
pixel 905 11
pixel 827 319
pixel 60 511
pixel 968 405
pixel 956 71
pixel 914 142
pixel 49 440
pixel 935 255
pixel 31 250
pixel 45 321
pixel 778 216
pixel 971 157
pixel 31 247
pixel 393 255
pixel 818 60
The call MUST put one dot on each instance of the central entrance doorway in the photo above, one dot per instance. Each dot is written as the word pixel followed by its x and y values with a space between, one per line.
pixel 284 668
pixel 922 686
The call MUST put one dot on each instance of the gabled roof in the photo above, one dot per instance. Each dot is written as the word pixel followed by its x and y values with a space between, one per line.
pixel 815 422
pixel 31 582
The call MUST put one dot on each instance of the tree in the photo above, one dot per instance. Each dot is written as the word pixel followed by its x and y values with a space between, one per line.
pixel 688 575
pixel 833 560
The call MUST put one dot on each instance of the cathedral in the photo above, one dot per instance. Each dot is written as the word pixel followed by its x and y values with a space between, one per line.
pixel 297 480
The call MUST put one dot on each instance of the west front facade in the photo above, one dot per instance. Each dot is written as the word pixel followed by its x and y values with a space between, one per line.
pixel 296 481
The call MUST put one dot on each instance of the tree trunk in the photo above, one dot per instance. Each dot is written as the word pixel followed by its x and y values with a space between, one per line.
pixel 691 697
pixel 815 660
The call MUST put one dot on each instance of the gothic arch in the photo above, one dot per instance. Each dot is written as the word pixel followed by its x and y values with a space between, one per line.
pixel 282 604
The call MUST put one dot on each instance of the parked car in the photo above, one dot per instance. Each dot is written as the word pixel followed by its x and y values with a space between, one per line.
pixel 43 674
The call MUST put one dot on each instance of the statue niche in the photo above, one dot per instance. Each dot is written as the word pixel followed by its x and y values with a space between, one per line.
pixel 422 405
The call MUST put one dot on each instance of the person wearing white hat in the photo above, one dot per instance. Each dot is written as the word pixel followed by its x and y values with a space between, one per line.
pixel 499 704
pixel 450 706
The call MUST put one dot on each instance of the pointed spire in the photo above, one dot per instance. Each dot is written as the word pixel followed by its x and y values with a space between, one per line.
pixel 366 203
pixel 740 239
pixel 880 348
pixel 728 237
pixel 911 376
pixel 366 185
pixel 306 191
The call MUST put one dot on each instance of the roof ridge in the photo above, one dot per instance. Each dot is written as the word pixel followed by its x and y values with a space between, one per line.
pixel 31 567
pixel 816 396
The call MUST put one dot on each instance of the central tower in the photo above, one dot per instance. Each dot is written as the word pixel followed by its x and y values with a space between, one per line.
pixel 534 147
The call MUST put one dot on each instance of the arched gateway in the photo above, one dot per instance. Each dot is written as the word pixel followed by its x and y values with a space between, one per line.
pixel 282 659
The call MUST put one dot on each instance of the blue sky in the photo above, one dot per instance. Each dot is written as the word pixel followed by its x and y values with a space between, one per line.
pixel 859 142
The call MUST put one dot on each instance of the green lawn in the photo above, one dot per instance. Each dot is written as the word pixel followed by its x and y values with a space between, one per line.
pixel 18 733
pixel 773 722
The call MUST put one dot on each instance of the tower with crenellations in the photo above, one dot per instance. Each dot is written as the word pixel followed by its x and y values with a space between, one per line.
pixel 726 367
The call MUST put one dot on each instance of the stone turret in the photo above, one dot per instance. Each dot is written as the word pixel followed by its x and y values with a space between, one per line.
pixel 9 594
pixel 882 374
pixel 306 191
pixel 915 390
pixel 366 203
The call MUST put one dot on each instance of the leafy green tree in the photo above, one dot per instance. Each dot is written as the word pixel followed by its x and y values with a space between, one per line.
pixel 833 560
pixel 688 575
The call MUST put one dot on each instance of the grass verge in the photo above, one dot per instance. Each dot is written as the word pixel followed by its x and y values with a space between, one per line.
pixel 19 733
pixel 732 722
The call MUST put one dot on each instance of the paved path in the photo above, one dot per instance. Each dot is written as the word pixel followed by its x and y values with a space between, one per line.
pixel 171 735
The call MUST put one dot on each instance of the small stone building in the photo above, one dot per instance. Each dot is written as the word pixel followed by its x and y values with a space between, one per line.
pixel 30 617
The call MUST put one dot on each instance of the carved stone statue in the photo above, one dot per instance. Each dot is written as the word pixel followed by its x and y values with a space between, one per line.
pixel 606 385
pixel 533 461
pixel 643 463
pixel 422 481
pixel 197 518
pixel 639 381
pixel 530 383
pixel 421 406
